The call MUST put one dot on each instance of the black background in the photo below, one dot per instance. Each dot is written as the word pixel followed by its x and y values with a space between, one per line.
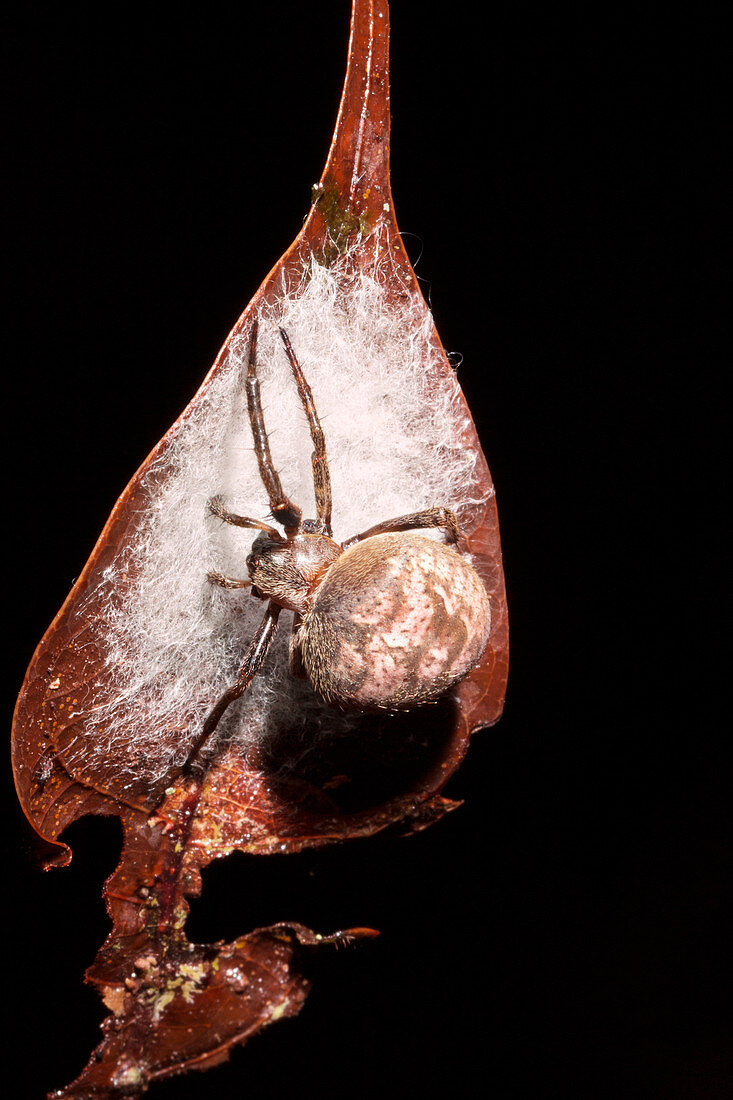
pixel 562 934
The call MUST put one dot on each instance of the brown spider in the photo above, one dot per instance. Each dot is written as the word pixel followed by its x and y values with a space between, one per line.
pixel 386 620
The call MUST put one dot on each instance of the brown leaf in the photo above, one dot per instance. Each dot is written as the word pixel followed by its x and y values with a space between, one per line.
pixel 175 1005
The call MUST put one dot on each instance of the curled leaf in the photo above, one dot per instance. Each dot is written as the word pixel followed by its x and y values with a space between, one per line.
pixel 118 689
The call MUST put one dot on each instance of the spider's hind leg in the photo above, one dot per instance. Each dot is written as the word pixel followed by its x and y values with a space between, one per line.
pixel 296 668
pixel 253 658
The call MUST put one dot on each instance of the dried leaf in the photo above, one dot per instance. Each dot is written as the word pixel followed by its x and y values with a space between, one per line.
pixel 173 1004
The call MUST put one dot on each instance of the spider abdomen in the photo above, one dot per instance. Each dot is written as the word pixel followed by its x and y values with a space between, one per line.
pixel 397 620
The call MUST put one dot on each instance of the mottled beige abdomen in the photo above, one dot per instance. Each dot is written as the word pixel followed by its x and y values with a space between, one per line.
pixel 397 620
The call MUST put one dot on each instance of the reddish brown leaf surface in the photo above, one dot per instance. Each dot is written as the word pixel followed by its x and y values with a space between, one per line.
pixel 175 1005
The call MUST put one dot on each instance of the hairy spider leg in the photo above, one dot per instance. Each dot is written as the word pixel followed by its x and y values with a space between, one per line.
pixel 429 517
pixel 249 668
pixel 296 668
pixel 283 509
pixel 216 507
pixel 319 459
pixel 227 582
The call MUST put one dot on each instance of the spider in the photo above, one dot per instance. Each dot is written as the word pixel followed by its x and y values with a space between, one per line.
pixel 389 619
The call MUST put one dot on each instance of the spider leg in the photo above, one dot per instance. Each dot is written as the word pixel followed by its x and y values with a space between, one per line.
pixel 429 517
pixel 321 473
pixel 227 582
pixel 296 668
pixel 216 507
pixel 249 668
pixel 282 507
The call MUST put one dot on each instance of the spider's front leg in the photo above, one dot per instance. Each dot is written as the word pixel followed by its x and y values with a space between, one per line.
pixel 227 582
pixel 282 507
pixel 429 517
pixel 217 508
pixel 319 458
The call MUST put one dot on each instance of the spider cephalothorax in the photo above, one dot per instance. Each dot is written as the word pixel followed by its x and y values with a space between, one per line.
pixel 389 619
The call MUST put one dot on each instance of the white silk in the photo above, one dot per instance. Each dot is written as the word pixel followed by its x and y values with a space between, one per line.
pixel 174 640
